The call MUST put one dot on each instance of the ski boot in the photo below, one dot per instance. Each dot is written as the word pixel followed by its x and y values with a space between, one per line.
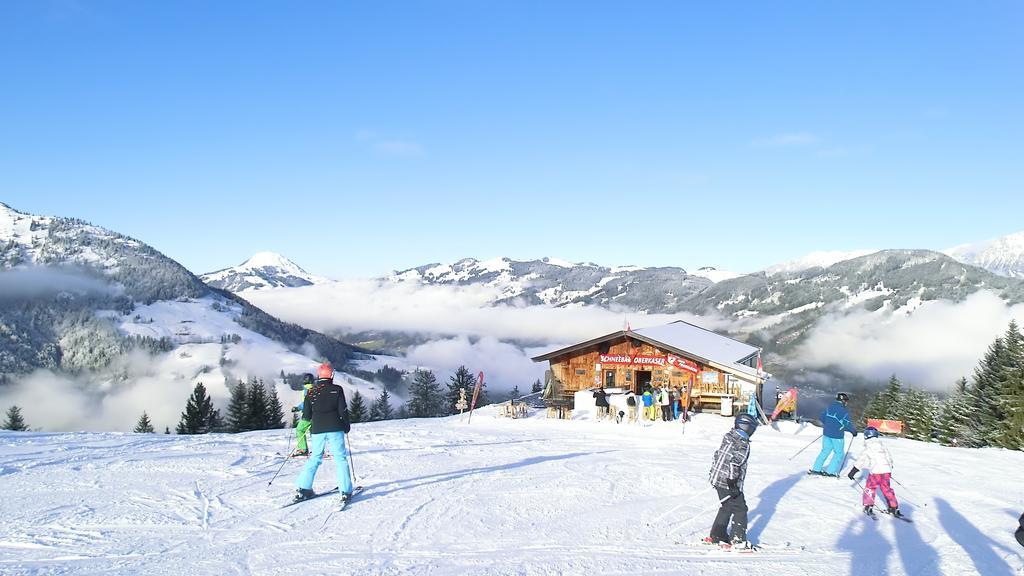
pixel 870 511
pixel 738 545
pixel 894 511
pixel 298 453
pixel 303 494
pixel 815 473
pixel 344 499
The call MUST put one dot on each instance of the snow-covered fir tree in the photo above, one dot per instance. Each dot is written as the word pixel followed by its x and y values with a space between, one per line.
pixel 144 426
pixel 357 408
pixel 425 396
pixel 463 379
pixel 15 421
pixel 198 412
pixel 381 408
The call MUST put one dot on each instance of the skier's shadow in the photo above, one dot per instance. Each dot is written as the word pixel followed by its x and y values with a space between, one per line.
pixel 915 554
pixel 373 490
pixel 982 549
pixel 869 549
pixel 767 502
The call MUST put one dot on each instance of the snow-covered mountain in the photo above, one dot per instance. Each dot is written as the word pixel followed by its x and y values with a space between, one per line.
pixel 529 497
pixel 817 259
pixel 556 282
pixel 1003 256
pixel 263 270
pixel 84 302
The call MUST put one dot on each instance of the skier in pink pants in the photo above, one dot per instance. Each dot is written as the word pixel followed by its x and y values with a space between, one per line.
pixel 877 460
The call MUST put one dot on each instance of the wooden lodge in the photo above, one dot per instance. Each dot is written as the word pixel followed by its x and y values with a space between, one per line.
pixel 712 371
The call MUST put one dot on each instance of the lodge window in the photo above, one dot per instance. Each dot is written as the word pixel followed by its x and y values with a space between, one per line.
pixel 609 378
pixel 580 372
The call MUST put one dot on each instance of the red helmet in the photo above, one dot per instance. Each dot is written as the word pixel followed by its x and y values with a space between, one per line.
pixel 325 372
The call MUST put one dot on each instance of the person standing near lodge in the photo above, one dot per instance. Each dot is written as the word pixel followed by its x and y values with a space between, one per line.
pixel 602 403
pixel 665 403
pixel 301 448
pixel 648 399
pixel 631 406
pixel 835 422
pixel 728 470
pixel 326 408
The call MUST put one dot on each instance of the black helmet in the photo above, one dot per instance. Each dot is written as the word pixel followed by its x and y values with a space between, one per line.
pixel 746 423
pixel 307 378
pixel 871 432
pixel 843 397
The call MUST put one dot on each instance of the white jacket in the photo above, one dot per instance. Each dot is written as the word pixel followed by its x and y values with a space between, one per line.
pixel 874 458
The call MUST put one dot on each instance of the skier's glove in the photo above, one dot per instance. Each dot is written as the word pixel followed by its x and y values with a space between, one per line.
pixel 854 432
pixel 853 472
pixel 734 488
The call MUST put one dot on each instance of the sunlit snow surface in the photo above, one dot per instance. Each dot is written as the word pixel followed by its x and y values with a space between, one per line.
pixel 497 496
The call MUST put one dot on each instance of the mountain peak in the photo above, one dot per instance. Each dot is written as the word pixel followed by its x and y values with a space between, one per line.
pixel 261 270
pixel 270 260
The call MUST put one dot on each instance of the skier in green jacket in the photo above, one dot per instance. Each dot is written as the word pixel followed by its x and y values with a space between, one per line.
pixel 301 449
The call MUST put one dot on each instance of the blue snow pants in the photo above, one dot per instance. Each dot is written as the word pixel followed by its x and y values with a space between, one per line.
pixel 832 446
pixel 316 456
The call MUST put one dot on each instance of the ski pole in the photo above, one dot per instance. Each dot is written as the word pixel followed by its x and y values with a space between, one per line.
pixel 351 465
pixel 697 515
pixel 843 463
pixel 905 488
pixel 286 459
pixel 808 446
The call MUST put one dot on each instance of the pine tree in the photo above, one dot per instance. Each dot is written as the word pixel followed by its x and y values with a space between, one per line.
pixel 875 410
pixel 537 386
pixel 275 411
pixel 15 421
pixel 462 379
pixel 257 409
pixel 425 396
pixel 357 408
pixel 238 409
pixel 514 394
pixel 1010 433
pixel 986 414
pixel 216 422
pixel 144 426
pixel 953 416
pixel 892 400
pixel 198 410
pixel 389 377
pixel 381 408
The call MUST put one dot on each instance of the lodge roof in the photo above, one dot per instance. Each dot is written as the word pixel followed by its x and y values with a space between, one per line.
pixel 684 339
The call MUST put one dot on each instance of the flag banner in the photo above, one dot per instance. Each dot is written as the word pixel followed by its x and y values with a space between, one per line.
pixel 785 404
pixel 886 426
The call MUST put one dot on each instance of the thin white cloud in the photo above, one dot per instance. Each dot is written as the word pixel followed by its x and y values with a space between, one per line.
pixel 786 140
pixel 930 348
pixel 389 146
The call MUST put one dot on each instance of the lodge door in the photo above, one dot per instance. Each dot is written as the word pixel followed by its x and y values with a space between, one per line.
pixel 641 381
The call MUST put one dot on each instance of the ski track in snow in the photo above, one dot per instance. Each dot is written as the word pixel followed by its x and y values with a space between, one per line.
pixel 500 496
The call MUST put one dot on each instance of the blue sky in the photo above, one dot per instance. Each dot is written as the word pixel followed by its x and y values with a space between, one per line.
pixel 357 138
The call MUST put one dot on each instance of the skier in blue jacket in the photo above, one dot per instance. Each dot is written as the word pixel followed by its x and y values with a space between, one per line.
pixel 836 421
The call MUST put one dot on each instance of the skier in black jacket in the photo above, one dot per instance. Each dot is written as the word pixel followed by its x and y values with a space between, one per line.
pixel 601 401
pixel 1020 530
pixel 325 406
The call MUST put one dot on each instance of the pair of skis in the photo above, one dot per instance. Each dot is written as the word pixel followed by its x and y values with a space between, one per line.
pixel 332 491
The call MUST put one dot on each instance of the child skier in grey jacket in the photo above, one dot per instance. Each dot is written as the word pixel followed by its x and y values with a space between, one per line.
pixel 728 470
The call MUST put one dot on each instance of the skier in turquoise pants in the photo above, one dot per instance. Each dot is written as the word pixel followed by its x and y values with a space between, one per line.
pixel 325 406
pixel 835 421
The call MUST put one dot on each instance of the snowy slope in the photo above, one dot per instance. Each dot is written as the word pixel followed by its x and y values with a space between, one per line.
pixel 499 496
pixel 1003 256
pixel 263 270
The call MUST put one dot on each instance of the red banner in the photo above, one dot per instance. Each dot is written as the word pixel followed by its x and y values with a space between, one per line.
pixel 683 363
pixel 886 426
pixel 627 360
